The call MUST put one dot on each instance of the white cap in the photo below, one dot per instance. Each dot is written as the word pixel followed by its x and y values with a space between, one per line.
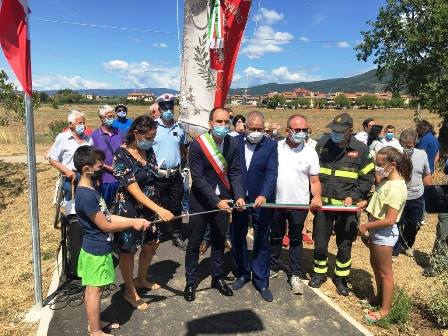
pixel 167 97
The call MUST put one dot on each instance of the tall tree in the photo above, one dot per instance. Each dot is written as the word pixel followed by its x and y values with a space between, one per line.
pixel 409 41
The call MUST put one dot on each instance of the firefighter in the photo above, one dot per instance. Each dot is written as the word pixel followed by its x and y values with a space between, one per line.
pixel 347 174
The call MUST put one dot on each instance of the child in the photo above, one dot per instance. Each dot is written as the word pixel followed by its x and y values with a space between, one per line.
pixel 95 265
pixel 393 170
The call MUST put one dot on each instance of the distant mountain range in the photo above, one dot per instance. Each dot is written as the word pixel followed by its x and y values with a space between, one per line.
pixel 366 82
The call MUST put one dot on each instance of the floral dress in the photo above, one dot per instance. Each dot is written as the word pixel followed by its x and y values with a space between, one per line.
pixel 128 170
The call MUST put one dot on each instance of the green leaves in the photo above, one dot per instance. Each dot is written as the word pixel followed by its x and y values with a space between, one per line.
pixel 409 41
pixel 202 60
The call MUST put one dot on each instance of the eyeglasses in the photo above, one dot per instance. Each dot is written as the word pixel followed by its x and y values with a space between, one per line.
pixel 298 130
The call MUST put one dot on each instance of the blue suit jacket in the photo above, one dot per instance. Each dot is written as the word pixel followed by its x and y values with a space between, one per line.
pixel 205 179
pixel 261 177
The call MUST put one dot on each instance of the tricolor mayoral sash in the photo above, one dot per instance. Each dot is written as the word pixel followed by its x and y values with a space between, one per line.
pixel 215 157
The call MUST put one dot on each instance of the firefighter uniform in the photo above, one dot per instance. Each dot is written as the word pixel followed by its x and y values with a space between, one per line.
pixel 346 171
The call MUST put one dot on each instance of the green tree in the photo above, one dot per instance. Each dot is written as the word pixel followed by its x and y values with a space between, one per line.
pixel 342 101
pixel 409 41
pixel 303 102
pixel 12 101
pixel 367 101
pixel 320 103
pixel 276 100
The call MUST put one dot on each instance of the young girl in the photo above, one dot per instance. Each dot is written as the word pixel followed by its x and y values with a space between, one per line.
pixel 393 170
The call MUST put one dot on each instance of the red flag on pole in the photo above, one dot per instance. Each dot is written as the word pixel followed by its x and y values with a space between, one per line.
pixel 15 40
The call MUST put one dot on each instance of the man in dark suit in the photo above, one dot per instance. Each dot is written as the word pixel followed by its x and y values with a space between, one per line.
pixel 216 179
pixel 259 163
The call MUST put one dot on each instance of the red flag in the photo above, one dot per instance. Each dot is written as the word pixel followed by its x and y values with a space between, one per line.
pixel 15 41
pixel 236 13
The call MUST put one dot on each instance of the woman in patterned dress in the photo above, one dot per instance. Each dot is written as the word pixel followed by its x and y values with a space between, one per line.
pixel 135 168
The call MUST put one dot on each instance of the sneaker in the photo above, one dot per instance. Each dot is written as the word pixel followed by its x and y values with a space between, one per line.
pixel 296 285
pixel 273 274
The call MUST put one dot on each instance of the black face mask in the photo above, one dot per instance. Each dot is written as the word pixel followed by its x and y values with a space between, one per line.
pixel 96 175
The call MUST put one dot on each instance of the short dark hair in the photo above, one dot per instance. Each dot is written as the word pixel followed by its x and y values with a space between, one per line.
pixel 365 123
pixel 390 127
pixel 212 112
pixel 141 124
pixel 238 118
pixel 87 156
pixel 374 134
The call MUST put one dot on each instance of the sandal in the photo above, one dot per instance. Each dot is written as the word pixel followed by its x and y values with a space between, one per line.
pixel 373 317
pixel 139 304
pixel 152 285
pixel 369 304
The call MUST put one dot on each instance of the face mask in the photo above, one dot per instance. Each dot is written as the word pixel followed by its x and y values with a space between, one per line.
pixel 80 129
pixel 254 137
pixel 337 137
pixel 167 115
pixel 109 122
pixel 381 171
pixel 96 175
pixel 389 136
pixel 408 151
pixel 220 131
pixel 274 133
pixel 144 144
pixel 121 114
pixel 298 137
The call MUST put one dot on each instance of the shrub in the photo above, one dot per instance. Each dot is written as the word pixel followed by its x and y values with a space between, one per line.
pixel 401 309
pixel 438 303
pixel 56 127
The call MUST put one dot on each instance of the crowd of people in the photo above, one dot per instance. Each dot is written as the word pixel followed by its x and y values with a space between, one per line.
pixel 132 175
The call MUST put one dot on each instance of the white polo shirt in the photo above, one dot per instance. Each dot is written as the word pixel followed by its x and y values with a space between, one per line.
pixel 64 148
pixel 392 143
pixel 362 136
pixel 295 166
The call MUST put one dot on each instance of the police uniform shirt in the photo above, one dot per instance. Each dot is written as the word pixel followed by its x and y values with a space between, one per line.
pixel 167 144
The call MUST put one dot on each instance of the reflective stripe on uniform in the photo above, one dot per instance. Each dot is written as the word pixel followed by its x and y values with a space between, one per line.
pixel 325 171
pixel 342 273
pixel 320 270
pixel 332 201
pixel 321 262
pixel 367 169
pixel 345 173
pixel 341 265
pixel 320 266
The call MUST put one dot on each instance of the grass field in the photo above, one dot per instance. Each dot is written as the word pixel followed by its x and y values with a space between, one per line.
pixel 16 294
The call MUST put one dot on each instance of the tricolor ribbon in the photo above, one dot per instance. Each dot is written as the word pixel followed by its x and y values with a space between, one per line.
pixel 216 27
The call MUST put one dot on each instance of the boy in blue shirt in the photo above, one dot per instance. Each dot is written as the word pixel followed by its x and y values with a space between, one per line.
pixel 95 265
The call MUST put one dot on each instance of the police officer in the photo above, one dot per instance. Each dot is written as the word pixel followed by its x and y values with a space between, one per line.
pixel 169 147
pixel 347 174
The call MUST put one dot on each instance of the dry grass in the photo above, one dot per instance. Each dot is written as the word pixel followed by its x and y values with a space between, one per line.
pixel 16 295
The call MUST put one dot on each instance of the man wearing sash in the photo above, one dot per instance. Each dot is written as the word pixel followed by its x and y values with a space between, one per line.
pixel 216 179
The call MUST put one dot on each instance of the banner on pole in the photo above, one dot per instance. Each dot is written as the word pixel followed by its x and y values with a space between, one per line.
pixel 212 36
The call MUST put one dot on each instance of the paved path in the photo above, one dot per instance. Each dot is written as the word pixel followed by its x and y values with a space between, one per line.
pixel 211 313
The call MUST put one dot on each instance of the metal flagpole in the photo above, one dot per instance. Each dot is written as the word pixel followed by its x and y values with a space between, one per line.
pixel 33 206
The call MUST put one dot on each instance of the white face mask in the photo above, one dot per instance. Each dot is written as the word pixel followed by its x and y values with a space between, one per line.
pixel 381 171
pixel 254 137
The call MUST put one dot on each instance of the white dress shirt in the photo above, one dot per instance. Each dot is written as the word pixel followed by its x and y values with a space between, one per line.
pixel 220 148
pixel 392 143
pixel 362 136
pixel 295 166
pixel 64 148
pixel 249 149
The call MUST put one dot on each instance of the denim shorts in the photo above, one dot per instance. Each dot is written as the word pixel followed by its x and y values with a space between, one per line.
pixel 385 236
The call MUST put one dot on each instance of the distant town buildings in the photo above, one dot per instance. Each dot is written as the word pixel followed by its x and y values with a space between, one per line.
pixel 136 96
pixel 300 94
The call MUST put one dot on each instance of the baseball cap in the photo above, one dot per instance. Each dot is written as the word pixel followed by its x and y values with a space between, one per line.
pixel 341 123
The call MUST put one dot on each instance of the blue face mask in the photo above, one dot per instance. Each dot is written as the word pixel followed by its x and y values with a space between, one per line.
pixel 167 115
pixel 80 129
pixel 145 144
pixel 298 137
pixel 121 114
pixel 220 131
pixel 109 121
pixel 389 136
pixel 337 137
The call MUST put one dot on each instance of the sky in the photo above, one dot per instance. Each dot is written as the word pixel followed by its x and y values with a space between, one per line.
pixel 313 40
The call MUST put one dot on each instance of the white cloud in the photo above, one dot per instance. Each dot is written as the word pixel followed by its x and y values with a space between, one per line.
pixel 116 65
pixel 318 19
pixel 160 45
pixel 268 16
pixel 266 40
pixel 144 74
pixel 304 39
pixel 343 44
pixel 254 76
pixel 56 82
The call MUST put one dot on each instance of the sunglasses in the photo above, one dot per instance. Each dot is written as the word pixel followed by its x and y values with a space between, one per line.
pixel 297 130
